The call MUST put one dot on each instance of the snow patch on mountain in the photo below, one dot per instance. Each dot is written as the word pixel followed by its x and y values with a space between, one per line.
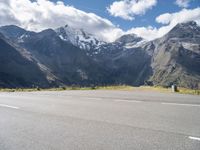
pixel 191 46
pixel 78 37
pixel 135 45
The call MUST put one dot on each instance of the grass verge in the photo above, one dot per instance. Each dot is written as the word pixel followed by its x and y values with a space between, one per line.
pixel 121 87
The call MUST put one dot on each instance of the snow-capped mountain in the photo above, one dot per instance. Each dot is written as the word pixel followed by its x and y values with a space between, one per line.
pixel 122 44
pixel 78 37
pixel 130 41
pixel 72 56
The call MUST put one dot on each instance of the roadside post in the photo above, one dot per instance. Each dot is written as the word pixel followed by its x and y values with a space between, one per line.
pixel 174 88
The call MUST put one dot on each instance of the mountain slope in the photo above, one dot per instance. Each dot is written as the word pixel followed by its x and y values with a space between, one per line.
pixel 176 57
pixel 78 37
pixel 127 65
pixel 17 70
pixel 68 63
pixel 68 56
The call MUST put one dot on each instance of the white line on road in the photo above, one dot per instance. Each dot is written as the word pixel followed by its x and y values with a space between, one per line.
pixel 8 106
pixel 194 138
pixel 131 101
pixel 179 104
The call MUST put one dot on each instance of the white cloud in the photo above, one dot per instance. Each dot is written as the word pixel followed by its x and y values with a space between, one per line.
pixel 127 9
pixel 169 20
pixel 181 16
pixel 148 33
pixel 164 18
pixel 41 14
pixel 183 3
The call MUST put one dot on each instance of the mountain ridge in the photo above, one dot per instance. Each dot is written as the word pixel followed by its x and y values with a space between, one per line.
pixel 69 59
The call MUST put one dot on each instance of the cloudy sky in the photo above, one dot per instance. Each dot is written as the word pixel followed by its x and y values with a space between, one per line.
pixel 107 19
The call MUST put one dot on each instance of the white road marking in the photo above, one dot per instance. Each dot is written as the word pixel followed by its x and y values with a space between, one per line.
pixel 194 138
pixel 179 104
pixel 8 106
pixel 130 101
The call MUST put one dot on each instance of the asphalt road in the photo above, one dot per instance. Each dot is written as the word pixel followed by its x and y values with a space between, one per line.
pixel 99 120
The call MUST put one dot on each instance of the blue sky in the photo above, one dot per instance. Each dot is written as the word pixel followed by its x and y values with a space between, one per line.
pixel 106 19
pixel 99 7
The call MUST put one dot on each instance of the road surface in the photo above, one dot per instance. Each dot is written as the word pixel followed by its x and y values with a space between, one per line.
pixel 99 120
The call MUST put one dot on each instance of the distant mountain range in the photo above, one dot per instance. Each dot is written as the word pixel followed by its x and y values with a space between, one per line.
pixel 69 56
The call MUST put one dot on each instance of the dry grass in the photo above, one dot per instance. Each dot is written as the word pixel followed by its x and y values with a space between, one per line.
pixel 188 91
pixel 154 88
pixel 162 89
pixel 120 87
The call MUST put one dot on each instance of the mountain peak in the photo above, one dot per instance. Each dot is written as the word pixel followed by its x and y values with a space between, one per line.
pixel 189 23
pixel 78 37
pixel 12 27
pixel 188 30
pixel 185 26
pixel 12 31
pixel 47 32
pixel 129 38
pixel 130 41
